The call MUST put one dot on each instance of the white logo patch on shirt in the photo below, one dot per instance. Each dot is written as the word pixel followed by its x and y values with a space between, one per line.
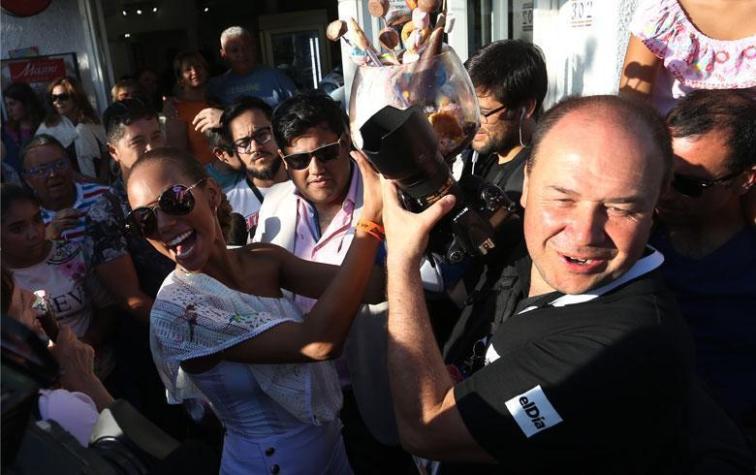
pixel 533 412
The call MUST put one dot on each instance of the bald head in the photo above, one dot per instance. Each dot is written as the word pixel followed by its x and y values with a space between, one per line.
pixel 635 119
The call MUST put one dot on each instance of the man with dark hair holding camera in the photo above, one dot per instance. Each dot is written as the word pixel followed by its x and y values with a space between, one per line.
pixel 510 81
pixel 709 248
pixel 314 216
pixel 587 365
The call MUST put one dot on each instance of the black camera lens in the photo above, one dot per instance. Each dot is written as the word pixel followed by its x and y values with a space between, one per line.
pixel 403 147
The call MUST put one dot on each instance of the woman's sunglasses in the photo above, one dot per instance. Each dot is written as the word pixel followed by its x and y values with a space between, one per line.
pixel 695 187
pixel 60 97
pixel 326 153
pixel 176 200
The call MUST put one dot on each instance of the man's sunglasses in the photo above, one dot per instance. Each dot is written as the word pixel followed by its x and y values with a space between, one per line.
pixel 695 187
pixel 176 200
pixel 60 97
pixel 42 170
pixel 262 136
pixel 326 153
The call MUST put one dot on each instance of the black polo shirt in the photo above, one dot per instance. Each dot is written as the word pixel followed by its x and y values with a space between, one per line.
pixel 576 384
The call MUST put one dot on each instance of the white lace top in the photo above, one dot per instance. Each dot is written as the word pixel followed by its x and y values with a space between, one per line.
pixel 195 315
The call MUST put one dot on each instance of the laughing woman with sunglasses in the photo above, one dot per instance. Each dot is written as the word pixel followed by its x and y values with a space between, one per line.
pixel 73 121
pixel 221 330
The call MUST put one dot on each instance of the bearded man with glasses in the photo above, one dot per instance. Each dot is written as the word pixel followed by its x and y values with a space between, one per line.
pixel 510 81
pixel 246 126
pixel 709 247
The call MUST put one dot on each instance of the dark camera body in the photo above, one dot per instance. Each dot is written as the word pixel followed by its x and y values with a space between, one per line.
pixel 402 146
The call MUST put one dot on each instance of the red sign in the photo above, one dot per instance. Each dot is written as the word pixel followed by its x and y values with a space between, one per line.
pixel 37 70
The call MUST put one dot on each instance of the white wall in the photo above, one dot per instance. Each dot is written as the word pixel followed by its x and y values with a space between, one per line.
pixel 584 53
pixel 61 28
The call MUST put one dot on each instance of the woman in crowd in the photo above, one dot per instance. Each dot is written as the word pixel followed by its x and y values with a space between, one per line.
pixel 75 124
pixel 191 72
pixel 61 268
pixel 25 113
pixel 221 326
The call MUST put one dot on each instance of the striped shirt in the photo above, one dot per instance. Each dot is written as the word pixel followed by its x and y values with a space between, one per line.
pixel 86 196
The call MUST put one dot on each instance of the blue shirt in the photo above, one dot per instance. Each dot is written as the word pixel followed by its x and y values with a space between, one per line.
pixel 269 84
pixel 717 297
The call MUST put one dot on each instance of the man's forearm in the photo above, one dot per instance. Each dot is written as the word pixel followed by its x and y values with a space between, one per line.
pixel 419 379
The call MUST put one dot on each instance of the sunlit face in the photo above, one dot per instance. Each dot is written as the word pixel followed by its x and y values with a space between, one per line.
pixel 139 137
pixel 589 202
pixel 23 234
pixel 48 172
pixel 16 109
pixel 703 158
pixel 321 182
pixel 188 239
pixel 497 134
pixel 193 74
pixel 239 51
pixel 262 160
pixel 62 100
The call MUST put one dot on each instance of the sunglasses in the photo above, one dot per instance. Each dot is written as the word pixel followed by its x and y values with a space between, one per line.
pixel 326 153
pixel 695 187
pixel 60 97
pixel 176 200
pixel 42 170
pixel 262 136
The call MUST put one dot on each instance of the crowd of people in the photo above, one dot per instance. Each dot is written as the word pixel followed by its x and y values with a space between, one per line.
pixel 238 271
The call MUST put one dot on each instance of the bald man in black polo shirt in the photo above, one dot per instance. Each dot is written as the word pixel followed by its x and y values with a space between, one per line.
pixel 587 363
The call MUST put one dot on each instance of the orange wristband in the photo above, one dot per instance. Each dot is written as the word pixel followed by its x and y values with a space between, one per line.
pixel 374 229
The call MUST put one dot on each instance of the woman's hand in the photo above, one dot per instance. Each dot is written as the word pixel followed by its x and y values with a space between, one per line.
pixel 372 208
pixel 76 360
pixel 64 219
pixel 407 232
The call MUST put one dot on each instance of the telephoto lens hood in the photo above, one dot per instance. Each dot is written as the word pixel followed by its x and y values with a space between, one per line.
pixel 403 147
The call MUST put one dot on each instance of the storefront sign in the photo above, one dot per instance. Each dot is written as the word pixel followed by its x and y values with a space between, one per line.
pixel 37 70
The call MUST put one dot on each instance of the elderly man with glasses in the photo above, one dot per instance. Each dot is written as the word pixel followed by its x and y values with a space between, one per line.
pixel 709 247
pixel 246 126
